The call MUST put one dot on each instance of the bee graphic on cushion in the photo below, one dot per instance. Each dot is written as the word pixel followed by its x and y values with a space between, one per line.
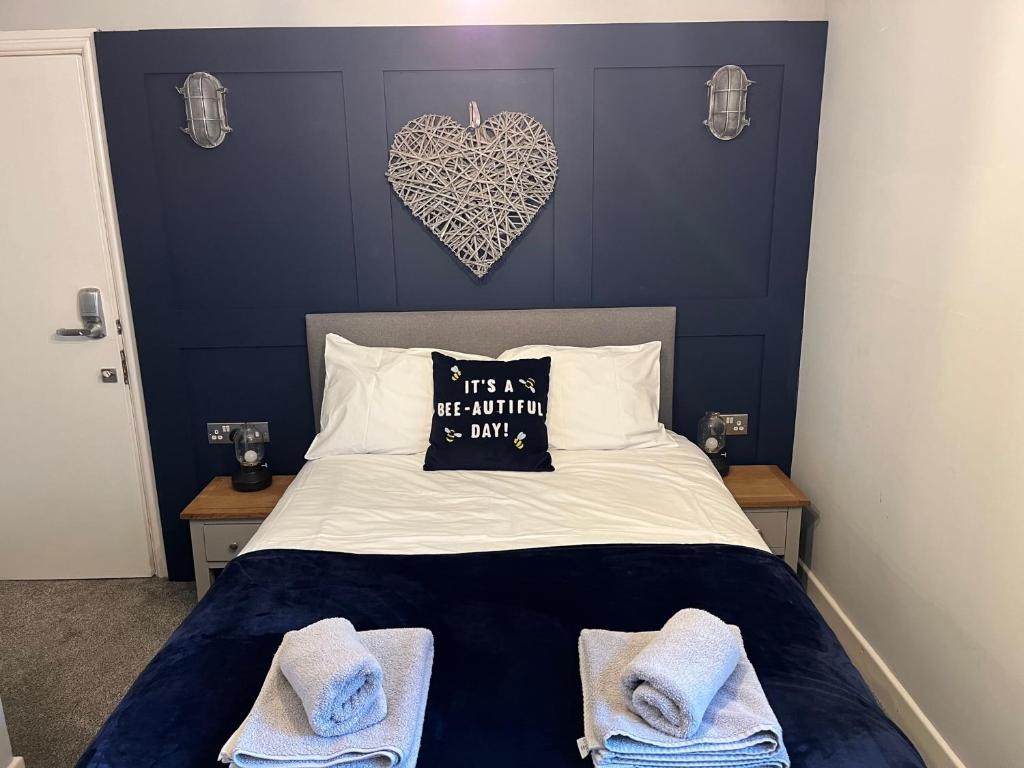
pixel 530 384
pixel 518 440
pixel 451 435
pixel 456 373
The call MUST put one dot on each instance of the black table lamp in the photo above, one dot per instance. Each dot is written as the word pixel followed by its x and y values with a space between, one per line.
pixel 252 474
pixel 711 439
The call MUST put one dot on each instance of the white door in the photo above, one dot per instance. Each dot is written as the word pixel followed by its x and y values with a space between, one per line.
pixel 72 501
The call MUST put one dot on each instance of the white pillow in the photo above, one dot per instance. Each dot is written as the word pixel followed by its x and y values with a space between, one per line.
pixel 603 398
pixel 376 399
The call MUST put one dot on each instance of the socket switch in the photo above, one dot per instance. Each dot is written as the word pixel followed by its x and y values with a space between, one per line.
pixel 735 423
pixel 219 432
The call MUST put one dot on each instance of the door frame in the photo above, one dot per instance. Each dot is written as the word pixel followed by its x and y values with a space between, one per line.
pixel 79 42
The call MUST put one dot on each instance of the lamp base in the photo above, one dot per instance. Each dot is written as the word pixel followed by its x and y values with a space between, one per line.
pixel 251 478
pixel 721 462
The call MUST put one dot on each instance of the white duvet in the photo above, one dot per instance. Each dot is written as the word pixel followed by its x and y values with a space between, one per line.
pixel 374 504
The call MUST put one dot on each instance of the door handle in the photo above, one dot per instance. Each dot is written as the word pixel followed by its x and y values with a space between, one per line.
pixel 90 309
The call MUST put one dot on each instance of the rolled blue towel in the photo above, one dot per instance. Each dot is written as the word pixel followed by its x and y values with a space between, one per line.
pixel 335 677
pixel 672 681
pixel 276 733
pixel 739 729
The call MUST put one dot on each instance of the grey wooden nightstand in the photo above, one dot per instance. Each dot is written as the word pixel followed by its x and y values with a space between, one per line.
pixel 222 520
pixel 774 505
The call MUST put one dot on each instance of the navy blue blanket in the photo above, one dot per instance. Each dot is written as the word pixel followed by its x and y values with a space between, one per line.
pixel 505 691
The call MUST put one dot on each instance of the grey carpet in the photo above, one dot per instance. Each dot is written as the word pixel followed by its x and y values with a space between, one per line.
pixel 70 649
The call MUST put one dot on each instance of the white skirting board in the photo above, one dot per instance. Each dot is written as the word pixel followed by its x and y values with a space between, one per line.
pixel 894 699
pixel 6 753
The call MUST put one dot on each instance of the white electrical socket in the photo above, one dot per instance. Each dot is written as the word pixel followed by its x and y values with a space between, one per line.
pixel 220 431
pixel 735 423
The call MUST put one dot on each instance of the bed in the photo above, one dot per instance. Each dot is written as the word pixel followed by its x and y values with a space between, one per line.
pixel 505 569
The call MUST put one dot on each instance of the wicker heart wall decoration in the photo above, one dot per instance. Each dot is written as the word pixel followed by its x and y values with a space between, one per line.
pixel 476 189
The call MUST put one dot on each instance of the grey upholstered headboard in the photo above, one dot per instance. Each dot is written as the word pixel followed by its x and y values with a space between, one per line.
pixel 491 332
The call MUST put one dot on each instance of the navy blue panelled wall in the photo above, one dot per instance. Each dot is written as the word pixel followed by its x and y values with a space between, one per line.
pixel 227 249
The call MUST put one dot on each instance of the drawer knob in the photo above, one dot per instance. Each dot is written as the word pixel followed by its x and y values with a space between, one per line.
pixel 233 546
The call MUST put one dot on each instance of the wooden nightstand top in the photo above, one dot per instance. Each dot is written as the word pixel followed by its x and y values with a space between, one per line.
pixel 219 501
pixel 761 486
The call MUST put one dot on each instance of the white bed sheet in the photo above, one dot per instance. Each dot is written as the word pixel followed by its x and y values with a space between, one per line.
pixel 381 504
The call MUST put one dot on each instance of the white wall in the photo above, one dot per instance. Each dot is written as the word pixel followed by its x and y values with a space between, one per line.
pixel 911 410
pixel 147 14
pixel 6 756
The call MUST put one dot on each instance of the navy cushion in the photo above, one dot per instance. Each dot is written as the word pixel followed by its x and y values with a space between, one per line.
pixel 490 415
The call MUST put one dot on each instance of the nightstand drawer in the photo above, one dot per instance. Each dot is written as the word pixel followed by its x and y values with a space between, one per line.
pixel 771 524
pixel 223 541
